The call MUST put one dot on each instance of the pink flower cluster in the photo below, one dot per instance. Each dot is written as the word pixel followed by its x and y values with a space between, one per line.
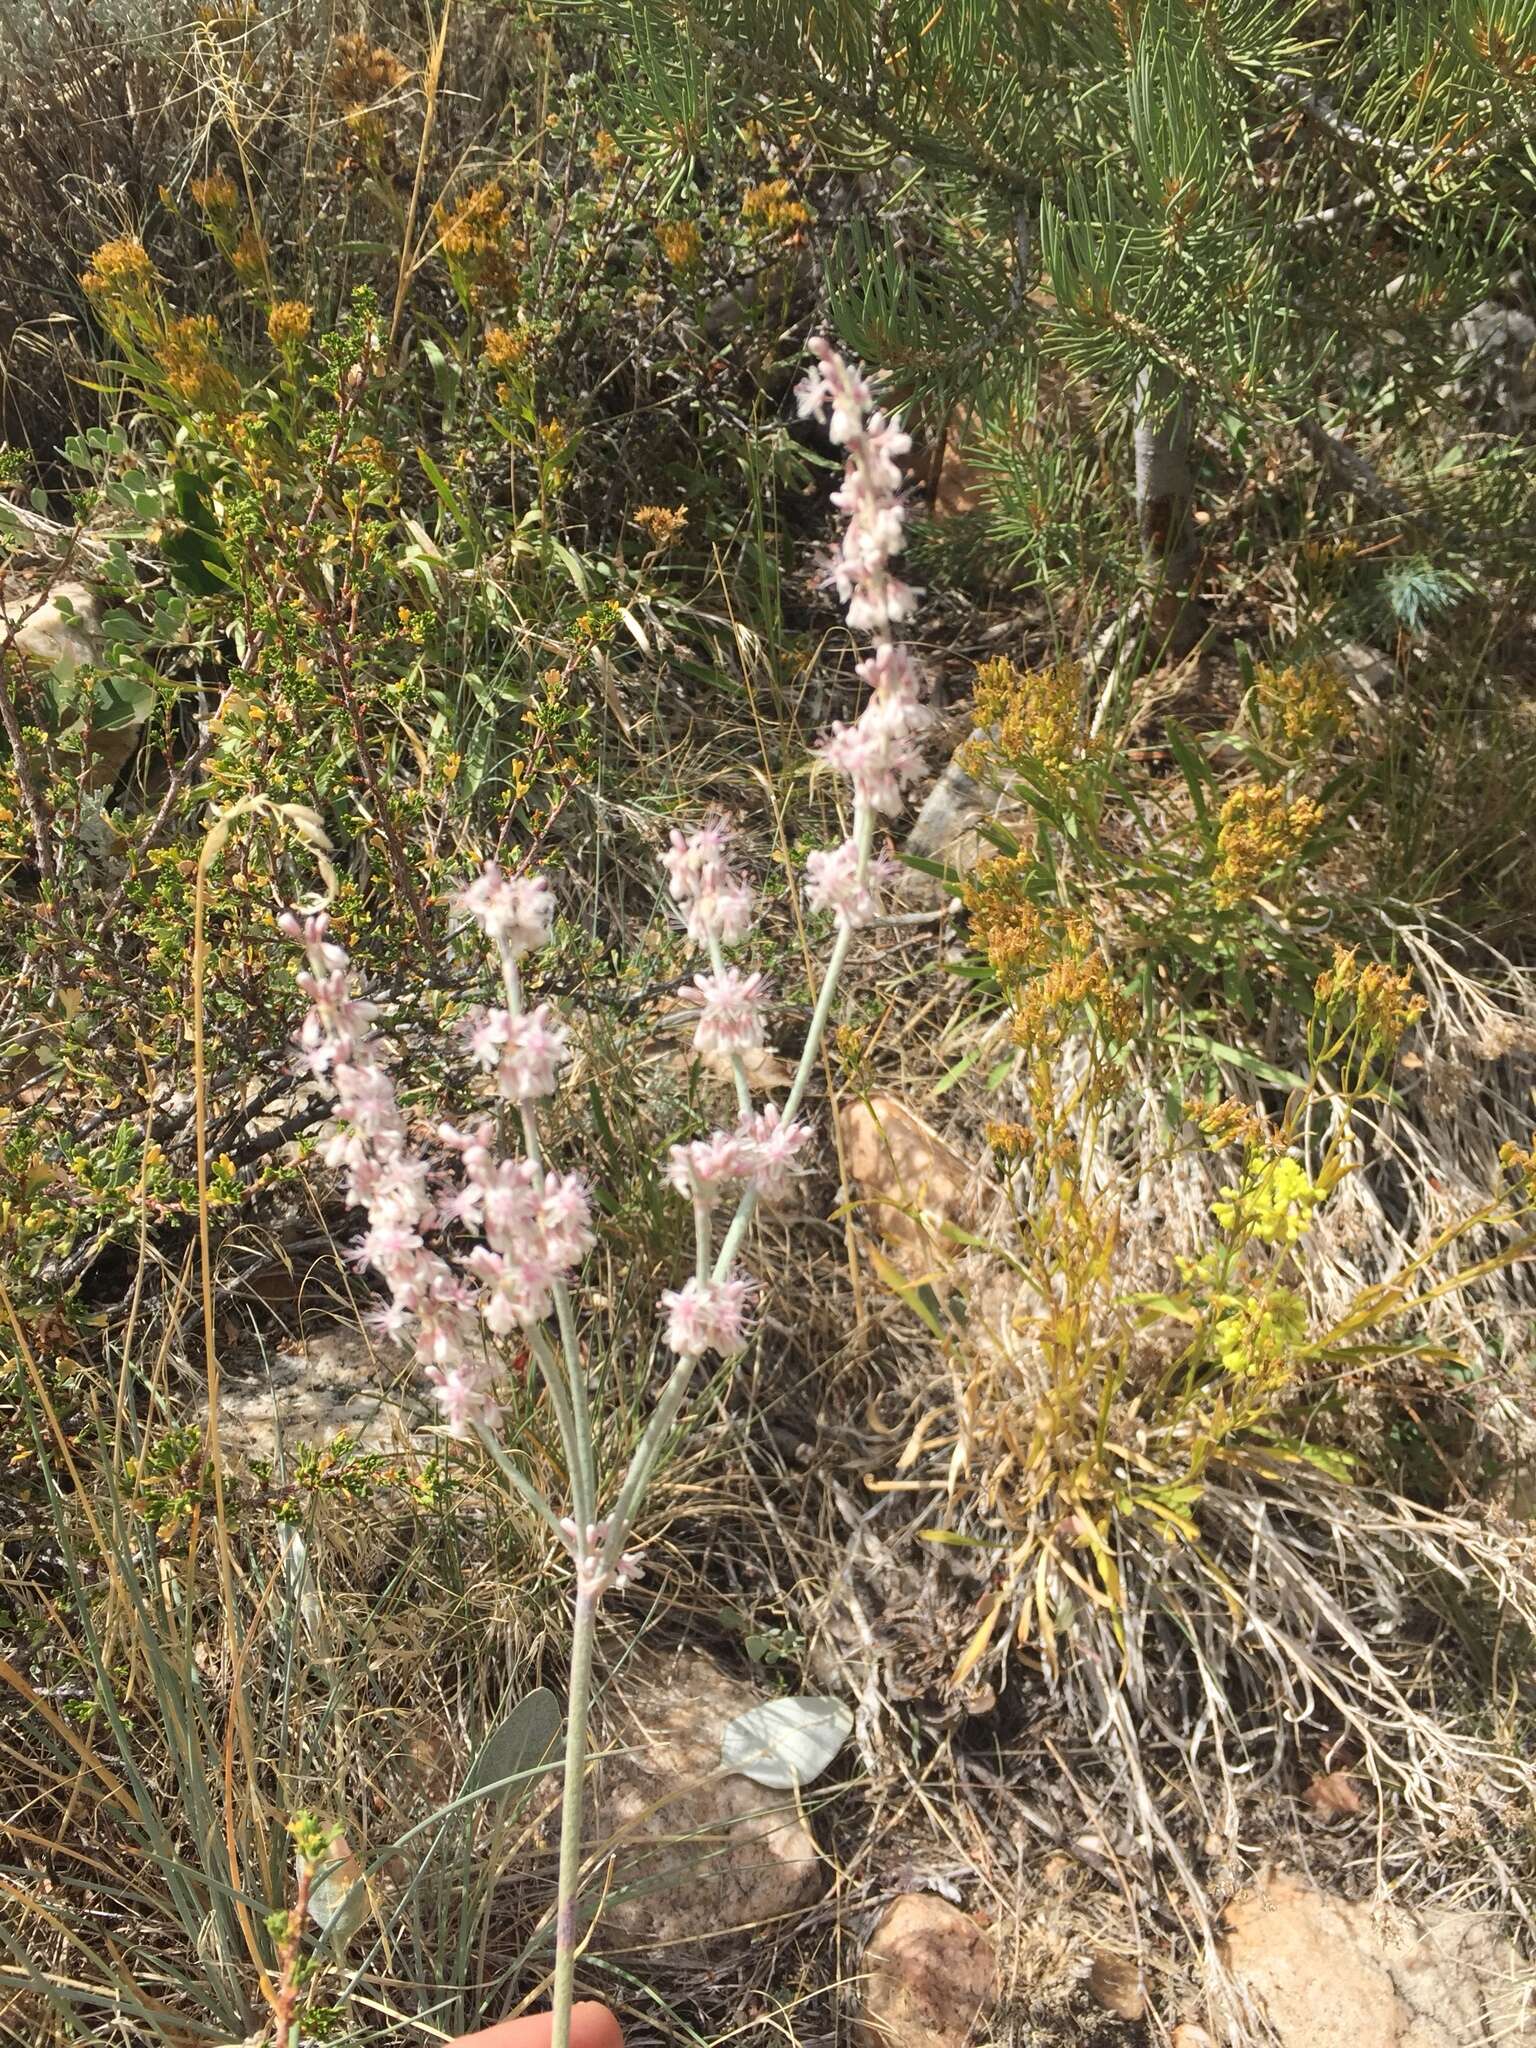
pixel 758 1154
pixel 707 1315
pixel 881 753
pixel 524 1053
pixel 731 1012
pixel 535 1226
pixel 514 911
pixel 717 903
pixel 851 889
pixel 870 493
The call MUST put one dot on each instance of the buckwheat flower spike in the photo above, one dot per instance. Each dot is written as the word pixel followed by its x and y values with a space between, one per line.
pixel 731 1017
pixel 514 911
pixel 707 1315
pixel 718 905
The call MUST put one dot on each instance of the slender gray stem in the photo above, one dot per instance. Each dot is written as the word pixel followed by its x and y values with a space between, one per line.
pixel 583 1630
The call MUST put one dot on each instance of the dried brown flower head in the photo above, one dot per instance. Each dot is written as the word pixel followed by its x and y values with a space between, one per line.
pixel 662 527
pixel 362 72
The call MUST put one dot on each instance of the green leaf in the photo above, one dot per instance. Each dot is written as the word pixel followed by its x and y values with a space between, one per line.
pixel 121 699
pixel 1239 1056
pixel 515 1751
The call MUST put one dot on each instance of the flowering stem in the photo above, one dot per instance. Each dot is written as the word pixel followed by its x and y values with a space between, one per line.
pixel 665 1413
pixel 573 1407
pixel 738 1064
pixel 523 1487
pixel 864 833
pixel 583 1630
pixel 565 1417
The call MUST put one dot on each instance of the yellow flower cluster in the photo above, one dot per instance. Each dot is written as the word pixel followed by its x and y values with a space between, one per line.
pixel 1009 1140
pixel 505 349
pixel 1304 704
pixel 1521 1162
pixel 680 243
pixel 1073 982
pixel 1027 718
pixel 1273 1202
pixel 662 526
pixel 1225 1123
pixel 1006 921
pixel 362 72
pixel 771 208
pixel 289 322
pixel 477 225
pixel 1261 829
pixel 1256 1336
pixel 1328 553
pixel 248 258
pixel 1383 1001
pixel 606 153
pixel 185 353
pixel 120 270
pixel 215 195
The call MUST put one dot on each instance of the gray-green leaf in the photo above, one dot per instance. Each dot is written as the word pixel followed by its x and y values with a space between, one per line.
pixel 785 1743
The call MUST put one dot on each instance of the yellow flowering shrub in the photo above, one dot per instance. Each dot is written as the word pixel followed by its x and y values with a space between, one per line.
pixel 1262 829
pixel 680 243
pixel 289 322
pixel 1273 1202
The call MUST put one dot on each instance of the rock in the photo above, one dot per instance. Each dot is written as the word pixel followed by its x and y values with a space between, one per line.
pixel 336 1381
pixel 1114 1983
pixel 929 1973
pixel 948 829
pixel 907 1182
pixel 696 1853
pixel 64 634
pixel 1333 1973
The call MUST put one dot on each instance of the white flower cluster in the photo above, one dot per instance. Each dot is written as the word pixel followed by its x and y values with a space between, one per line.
pixel 881 752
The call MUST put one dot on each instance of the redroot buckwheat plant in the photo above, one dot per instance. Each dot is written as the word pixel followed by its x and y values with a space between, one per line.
pixel 478 1246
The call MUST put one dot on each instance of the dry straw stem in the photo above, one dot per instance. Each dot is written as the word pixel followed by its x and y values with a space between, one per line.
pixel 410 257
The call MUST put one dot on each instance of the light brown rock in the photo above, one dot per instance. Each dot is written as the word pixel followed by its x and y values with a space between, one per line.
pixel 336 1382
pixel 906 1181
pixel 696 1853
pixel 1114 1984
pixel 63 633
pixel 929 1975
pixel 1333 1973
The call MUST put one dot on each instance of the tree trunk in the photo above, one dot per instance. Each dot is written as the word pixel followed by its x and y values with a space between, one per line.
pixel 1164 500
